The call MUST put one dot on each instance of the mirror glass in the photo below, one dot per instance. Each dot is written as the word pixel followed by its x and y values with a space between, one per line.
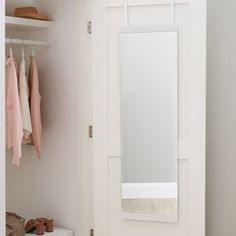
pixel 148 59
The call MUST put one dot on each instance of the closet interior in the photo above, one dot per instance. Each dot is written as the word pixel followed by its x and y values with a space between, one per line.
pixel 49 186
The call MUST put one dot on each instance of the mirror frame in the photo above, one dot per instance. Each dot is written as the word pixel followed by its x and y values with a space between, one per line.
pixel 144 216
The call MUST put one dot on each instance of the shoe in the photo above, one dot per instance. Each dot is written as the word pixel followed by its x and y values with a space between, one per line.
pixel 30 225
pixel 40 228
pixel 48 223
pixel 33 225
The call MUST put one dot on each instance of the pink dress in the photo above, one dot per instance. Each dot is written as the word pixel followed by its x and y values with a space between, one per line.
pixel 35 100
pixel 14 126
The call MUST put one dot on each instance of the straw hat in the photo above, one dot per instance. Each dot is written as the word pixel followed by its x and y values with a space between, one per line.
pixel 29 12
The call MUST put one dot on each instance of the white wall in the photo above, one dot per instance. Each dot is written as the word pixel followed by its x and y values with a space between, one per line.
pixel 49 187
pixel 221 118
pixel 12 4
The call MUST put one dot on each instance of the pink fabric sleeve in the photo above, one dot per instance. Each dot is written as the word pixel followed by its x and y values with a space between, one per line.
pixel 14 127
pixel 35 100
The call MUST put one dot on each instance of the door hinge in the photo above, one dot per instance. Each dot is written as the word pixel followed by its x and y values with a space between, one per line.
pixel 90 27
pixel 90 131
pixel 91 232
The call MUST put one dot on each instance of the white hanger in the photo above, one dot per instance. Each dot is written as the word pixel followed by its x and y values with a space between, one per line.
pixel 126 14
pixel 33 50
pixel 172 12
pixel 23 51
pixel 10 50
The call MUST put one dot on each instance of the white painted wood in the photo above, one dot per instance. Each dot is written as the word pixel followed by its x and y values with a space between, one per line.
pixel 56 232
pixel 99 112
pixel 126 13
pixel 120 3
pixel 172 11
pixel 149 217
pixel 23 24
pixel 2 118
pixel 183 151
pixel 108 18
pixel 85 187
pixel 196 116
pixel 149 29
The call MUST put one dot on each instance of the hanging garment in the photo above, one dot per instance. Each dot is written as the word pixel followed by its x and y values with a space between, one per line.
pixel 24 103
pixel 35 100
pixel 14 126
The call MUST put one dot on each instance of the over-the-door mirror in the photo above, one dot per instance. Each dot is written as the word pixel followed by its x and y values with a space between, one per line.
pixel 148 57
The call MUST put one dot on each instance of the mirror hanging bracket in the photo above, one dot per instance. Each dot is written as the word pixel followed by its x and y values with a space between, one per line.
pixel 126 13
pixel 172 12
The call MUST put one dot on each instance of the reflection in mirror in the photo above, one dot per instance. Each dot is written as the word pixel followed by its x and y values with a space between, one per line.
pixel 149 123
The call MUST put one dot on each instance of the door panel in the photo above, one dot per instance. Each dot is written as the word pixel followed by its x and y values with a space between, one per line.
pixel 108 18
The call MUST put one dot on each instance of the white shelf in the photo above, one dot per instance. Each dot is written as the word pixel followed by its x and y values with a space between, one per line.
pixel 56 232
pixel 23 24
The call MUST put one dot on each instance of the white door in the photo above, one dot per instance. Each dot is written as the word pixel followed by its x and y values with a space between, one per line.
pixel 107 19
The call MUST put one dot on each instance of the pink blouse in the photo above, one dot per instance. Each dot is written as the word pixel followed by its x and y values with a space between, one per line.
pixel 35 99
pixel 14 126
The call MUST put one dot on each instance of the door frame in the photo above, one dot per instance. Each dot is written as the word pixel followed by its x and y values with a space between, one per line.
pixel 85 182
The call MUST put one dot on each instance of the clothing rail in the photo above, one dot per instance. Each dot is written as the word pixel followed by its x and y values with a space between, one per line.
pixel 26 42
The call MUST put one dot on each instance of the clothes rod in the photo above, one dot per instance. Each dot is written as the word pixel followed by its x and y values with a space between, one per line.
pixel 26 42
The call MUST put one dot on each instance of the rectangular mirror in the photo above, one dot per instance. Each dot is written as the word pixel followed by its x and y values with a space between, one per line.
pixel 148 57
